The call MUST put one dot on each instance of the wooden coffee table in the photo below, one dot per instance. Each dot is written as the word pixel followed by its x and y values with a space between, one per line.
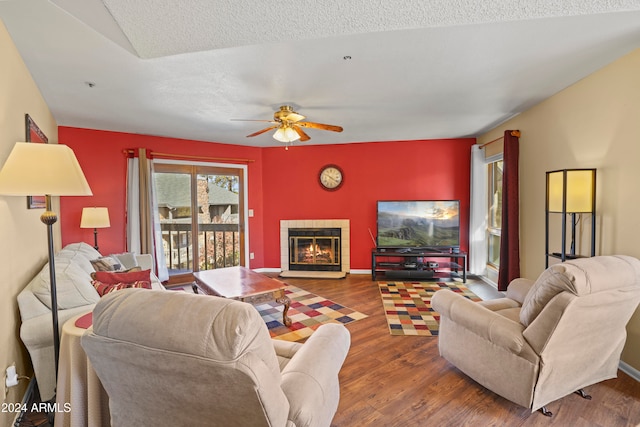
pixel 242 284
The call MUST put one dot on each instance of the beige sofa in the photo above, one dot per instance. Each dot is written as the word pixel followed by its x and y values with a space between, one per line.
pixel 75 295
pixel 546 339
pixel 212 363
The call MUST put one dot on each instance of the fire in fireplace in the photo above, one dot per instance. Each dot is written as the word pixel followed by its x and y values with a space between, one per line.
pixel 315 249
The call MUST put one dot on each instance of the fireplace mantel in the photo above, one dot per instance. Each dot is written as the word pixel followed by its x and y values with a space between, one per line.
pixel 342 224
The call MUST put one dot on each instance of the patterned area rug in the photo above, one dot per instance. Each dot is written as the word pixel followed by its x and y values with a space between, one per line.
pixel 407 305
pixel 307 312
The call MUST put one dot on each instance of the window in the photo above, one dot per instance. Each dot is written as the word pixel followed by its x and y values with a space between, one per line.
pixel 201 211
pixel 494 216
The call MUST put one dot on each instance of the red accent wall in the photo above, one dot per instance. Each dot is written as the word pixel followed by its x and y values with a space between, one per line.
pixel 429 169
pixel 283 184
pixel 101 156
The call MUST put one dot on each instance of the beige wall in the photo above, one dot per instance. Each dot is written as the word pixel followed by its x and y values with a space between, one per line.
pixel 593 124
pixel 23 248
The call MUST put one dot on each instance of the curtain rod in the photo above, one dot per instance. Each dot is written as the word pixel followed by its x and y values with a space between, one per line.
pixel 186 156
pixel 515 133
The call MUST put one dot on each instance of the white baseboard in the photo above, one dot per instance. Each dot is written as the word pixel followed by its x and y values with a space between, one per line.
pixel 267 270
pixel 629 370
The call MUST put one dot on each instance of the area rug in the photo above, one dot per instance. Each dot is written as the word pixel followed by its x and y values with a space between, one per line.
pixel 307 312
pixel 407 305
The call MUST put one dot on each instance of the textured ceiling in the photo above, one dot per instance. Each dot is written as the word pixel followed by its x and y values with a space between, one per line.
pixel 418 69
pixel 155 28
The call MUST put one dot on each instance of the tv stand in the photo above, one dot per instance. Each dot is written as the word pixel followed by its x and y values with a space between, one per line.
pixel 418 264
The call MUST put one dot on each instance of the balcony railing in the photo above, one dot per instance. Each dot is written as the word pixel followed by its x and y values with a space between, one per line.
pixel 218 244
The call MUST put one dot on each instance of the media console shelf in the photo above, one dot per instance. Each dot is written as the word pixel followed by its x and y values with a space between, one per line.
pixel 418 264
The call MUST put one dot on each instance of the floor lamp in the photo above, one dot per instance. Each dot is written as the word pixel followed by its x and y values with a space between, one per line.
pixel 95 218
pixel 573 192
pixel 51 169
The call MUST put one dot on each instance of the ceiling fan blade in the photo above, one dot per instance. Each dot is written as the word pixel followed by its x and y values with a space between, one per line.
pixel 322 126
pixel 260 132
pixel 303 135
pixel 252 120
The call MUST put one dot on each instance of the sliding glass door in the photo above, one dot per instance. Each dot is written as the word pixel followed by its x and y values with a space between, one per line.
pixel 201 210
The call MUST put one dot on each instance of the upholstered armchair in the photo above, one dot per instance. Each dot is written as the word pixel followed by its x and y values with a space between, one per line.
pixel 179 359
pixel 545 339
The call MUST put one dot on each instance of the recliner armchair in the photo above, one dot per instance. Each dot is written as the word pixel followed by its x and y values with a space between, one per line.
pixel 546 339
pixel 174 358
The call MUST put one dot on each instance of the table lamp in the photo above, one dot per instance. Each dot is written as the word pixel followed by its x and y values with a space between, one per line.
pixel 95 218
pixel 53 170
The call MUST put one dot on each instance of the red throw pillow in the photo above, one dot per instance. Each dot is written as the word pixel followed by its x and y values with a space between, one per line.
pixel 113 277
pixel 106 288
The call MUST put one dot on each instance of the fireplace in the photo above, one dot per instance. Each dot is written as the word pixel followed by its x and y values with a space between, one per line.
pixel 314 249
pixel 330 249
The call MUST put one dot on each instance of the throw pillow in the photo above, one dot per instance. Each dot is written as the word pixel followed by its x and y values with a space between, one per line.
pixel 127 259
pixel 114 277
pixel 106 263
pixel 105 288
pixel 94 277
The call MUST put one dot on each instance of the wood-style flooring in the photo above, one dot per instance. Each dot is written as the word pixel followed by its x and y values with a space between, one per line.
pixel 402 381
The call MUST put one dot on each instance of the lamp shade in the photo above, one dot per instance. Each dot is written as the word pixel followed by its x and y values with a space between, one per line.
pixel 95 218
pixel 286 134
pixel 576 186
pixel 42 169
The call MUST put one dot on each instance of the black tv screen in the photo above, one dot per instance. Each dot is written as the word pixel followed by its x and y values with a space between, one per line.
pixel 418 224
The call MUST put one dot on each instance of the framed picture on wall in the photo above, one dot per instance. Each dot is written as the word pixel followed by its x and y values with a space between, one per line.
pixel 35 135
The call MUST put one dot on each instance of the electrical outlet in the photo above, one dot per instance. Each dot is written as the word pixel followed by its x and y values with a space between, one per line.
pixel 11 377
pixel 252 255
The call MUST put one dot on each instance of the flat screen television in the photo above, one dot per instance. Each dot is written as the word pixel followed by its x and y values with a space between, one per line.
pixel 418 224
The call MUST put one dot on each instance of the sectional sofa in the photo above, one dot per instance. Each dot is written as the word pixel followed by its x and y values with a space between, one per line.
pixel 75 295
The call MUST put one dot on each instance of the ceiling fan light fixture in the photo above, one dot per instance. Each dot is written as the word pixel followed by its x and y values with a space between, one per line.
pixel 286 134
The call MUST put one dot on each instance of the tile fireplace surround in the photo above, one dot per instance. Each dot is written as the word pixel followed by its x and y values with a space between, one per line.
pixel 342 224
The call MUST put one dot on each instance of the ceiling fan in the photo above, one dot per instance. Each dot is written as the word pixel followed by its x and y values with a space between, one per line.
pixel 289 124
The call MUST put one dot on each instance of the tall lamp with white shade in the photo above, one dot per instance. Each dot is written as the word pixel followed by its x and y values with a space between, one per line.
pixel 49 169
pixel 95 218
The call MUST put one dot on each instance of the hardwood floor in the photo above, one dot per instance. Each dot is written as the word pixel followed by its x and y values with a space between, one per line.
pixel 402 380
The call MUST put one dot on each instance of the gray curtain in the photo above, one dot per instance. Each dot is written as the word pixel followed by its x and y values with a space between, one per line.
pixel 144 235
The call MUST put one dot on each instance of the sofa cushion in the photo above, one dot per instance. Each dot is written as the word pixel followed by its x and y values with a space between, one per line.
pixel 73 285
pixel 113 277
pixel 229 331
pixel 551 282
pixel 78 258
pixel 591 275
pixel 106 288
pixel 604 273
pixel 85 249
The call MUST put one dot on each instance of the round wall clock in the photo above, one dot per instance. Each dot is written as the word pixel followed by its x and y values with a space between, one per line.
pixel 331 177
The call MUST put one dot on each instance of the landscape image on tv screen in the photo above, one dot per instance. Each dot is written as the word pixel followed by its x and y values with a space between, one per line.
pixel 419 224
